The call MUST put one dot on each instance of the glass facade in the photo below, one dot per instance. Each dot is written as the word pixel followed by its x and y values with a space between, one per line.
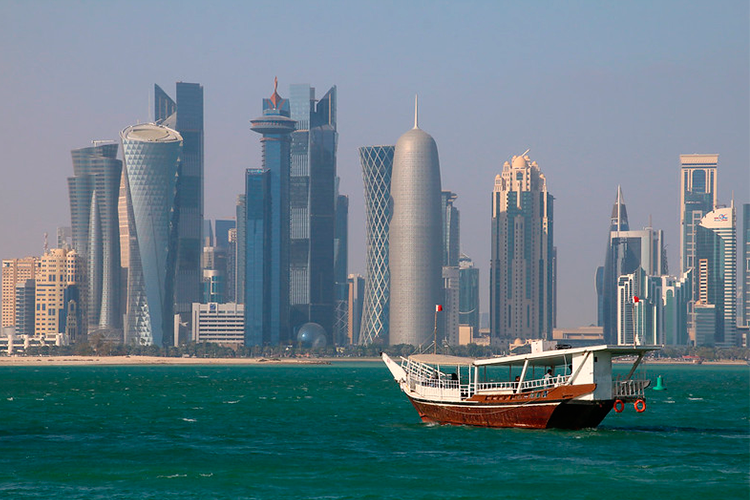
pixel 377 165
pixel 152 155
pixel 186 117
pixel 94 193
pixel 258 259
pixel 468 294
pixel 745 266
pixel 340 266
pixel 312 208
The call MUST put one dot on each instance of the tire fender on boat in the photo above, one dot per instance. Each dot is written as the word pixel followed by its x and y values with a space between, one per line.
pixel 639 405
pixel 619 405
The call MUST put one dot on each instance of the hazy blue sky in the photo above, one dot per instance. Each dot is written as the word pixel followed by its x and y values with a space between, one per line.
pixel 603 93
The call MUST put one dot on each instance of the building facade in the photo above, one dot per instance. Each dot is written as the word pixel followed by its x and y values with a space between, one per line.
pixel 744 264
pixel 377 166
pixel 415 238
pixel 276 127
pixel 151 154
pixel 218 323
pixel 15 271
pixel 312 199
pixel 522 258
pixel 716 274
pixel 186 117
pixel 698 196
pixel 94 193
pixel 260 303
pixel 356 292
pixel 468 294
pixel 340 268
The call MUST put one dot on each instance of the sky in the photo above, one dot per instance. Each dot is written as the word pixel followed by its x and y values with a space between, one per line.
pixel 603 94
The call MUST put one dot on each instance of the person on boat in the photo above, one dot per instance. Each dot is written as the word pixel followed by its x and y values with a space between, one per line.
pixel 548 378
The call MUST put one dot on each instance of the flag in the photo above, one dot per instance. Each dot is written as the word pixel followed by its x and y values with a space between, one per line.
pixel 438 308
pixel 635 299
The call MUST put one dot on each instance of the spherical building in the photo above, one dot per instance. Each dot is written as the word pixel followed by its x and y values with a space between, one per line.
pixel 415 239
pixel 311 335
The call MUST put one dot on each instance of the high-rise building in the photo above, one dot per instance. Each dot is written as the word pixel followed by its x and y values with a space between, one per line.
pixel 468 295
pixel 151 155
pixel 522 261
pixel 340 267
pixel 676 293
pixel 356 292
pixel 239 251
pixel 627 250
pixel 415 239
pixel 451 231
pixel 312 197
pixel 698 196
pixel 260 303
pixel 744 263
pixel 51 281
pixel 94 192
pixel 276 126
pixel 449 320
pixel 15 271
pixel 716 273
pixel 186 117
pixel 377 166
pixel 25 307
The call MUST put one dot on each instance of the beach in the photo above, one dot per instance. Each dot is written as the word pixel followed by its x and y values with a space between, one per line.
pixel 159 360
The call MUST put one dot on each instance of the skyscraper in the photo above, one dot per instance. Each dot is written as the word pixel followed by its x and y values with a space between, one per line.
pixel 312 198
pixel 151 155
pixel 356 292
pixel 522 260
pixel 377 166
pixel 716 274
pixel 259 262
pixel 451 232
pixel 468 294
pixel 275 125
pixel 94 192
pixel 449 320
pixel 186 117
pixel 627 250
pixel 698 196
pixel 340 267
pixel 745 266
pixel 415 240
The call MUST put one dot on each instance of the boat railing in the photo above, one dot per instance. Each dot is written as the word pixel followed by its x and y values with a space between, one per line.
pixel 629 389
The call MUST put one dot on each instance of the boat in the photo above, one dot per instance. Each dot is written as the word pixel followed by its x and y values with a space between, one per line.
pixel 570 388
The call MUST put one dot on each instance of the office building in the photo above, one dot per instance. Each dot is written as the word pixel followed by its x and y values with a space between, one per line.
pixel 698 196
pixel 377 166
pixel 340 267
pixel 522 254
pixel 151 154
pixel 185 115
pixel 676 294
pixel 218 323
pixel 627 250
pixel 264 308
pixel 415 239
pixel 25 308
pixel 716 275
pixel 356 293
pixel 449 319
pixel 276 128
pixel 744 306
pixel 468 294
pixel 52 278
pixel 451 231
pixel 94 192
pixel 239 251
pixel 312 198
pixel 15 271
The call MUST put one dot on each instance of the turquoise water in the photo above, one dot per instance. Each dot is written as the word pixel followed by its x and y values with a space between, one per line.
pixel 346 431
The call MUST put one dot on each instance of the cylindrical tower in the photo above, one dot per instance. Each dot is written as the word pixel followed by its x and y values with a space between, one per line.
pixel 415 241
pixel 377 165
pixel 151 155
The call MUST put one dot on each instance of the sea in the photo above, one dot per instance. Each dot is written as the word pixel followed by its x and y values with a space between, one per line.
pixel 345 431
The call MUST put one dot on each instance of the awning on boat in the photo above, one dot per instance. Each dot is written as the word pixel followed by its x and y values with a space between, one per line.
pixel 442 359
pixel 562 356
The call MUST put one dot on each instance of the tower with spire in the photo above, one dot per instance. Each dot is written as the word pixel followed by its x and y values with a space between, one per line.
pixel 415 238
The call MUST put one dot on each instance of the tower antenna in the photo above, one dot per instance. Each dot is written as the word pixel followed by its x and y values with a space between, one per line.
pixel 416 110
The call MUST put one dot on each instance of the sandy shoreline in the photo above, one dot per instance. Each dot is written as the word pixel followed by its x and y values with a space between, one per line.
pixel 157 360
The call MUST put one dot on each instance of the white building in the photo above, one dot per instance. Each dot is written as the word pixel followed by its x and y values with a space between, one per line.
pixel 219 323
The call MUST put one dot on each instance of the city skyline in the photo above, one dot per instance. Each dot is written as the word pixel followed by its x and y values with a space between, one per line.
pixel 616 112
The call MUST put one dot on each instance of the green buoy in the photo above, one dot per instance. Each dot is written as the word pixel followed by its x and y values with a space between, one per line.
pixel 659 384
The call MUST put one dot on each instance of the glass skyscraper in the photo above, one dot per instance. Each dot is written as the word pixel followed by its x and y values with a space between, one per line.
pixel 468 294
pixel 340 266
pixel 151 155
pixel 276 126
pixel 312 199
pixel 258 258
pixel 744 264
pixel 377 165
pixel 186 117
pixel 94 192
pixel 522 254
